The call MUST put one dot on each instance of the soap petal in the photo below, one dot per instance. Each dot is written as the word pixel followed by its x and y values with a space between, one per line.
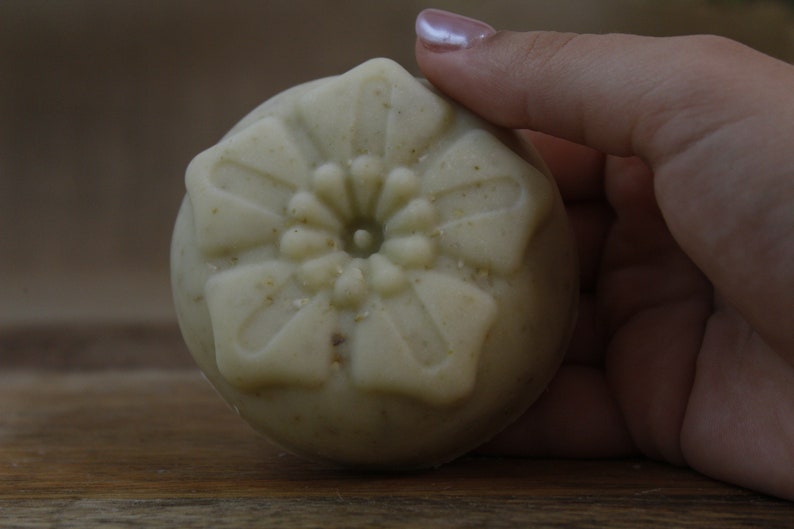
pixel 417 119
pixel 266 331
pixel 240 188
pixel 376 108
pixel 424 343
pixel 383 360
pixel 489 200
pixel 462 314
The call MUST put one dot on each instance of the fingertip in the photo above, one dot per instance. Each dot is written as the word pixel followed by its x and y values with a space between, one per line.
pixel 444 45
pixel 577 169
pixel 442 31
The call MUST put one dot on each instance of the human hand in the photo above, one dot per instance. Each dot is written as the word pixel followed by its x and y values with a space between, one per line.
pixel 675 157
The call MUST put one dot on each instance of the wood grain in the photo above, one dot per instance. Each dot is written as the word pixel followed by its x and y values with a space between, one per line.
pixel 129 445
pixel 103 104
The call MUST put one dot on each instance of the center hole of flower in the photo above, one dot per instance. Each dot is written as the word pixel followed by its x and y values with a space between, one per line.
pixel 363 238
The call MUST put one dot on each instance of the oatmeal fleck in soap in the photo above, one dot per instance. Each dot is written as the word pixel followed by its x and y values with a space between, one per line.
pixel 370 275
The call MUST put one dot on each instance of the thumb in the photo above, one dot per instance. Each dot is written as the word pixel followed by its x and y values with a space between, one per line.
pixel 708 115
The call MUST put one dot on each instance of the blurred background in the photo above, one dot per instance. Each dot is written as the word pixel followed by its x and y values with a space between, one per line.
pixel 104 102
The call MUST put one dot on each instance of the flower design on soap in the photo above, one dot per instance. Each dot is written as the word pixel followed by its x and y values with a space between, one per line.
pixel 357 230
pixel 352 224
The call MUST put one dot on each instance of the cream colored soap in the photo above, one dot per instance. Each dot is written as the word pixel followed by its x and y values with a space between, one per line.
pixel 369 275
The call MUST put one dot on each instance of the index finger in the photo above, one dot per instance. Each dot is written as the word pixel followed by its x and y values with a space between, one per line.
pixel 577 169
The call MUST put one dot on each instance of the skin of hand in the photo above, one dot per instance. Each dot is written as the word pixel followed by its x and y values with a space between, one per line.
pixel 675 157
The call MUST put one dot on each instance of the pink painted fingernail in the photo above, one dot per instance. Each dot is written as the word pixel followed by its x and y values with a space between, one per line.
pixel 444 31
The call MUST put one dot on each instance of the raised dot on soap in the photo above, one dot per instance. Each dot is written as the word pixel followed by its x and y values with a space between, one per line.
pixel 367 166
pixel 329 171
pixel 301 243
pixel 351 287
pixel 386 277
pixel 306 208
pixel 329 185
pixel 400 186
pixel 363 239
pixel 411 251
pixel 419 215
pixel 322 271
pixel 366 172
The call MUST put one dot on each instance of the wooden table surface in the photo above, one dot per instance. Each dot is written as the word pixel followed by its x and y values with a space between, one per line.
pixel 115 427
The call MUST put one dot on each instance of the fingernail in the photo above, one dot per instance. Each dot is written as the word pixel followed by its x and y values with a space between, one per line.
pixel 444 31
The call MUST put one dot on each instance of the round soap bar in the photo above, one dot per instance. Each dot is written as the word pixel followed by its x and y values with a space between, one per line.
pixel 370 275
